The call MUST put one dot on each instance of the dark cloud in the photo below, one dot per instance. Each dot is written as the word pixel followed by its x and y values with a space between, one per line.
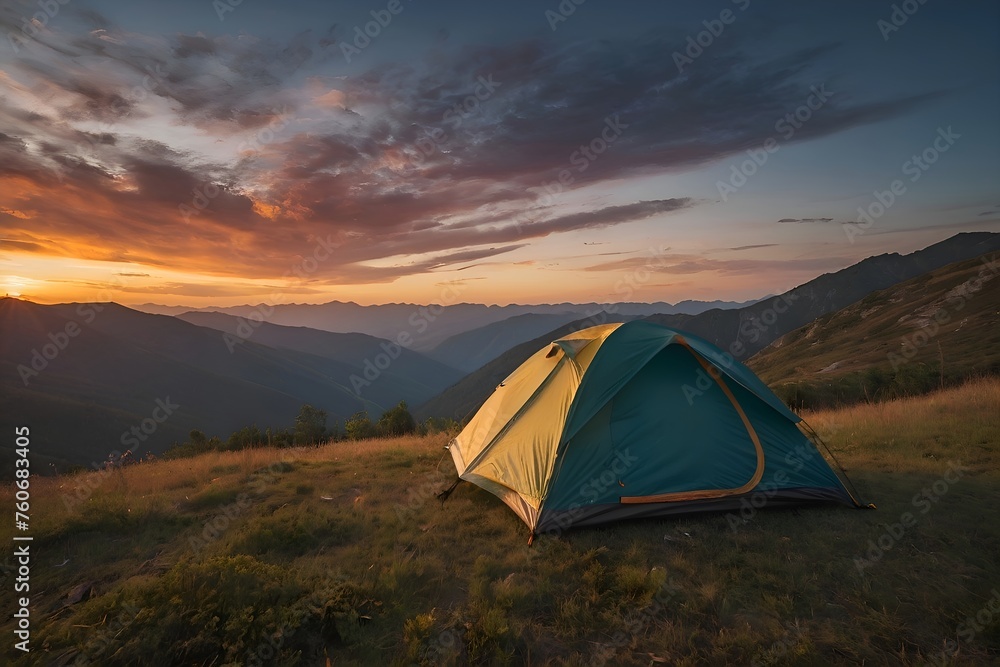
pixel 407 161
pixel 751 247
pixel 679 264
pixel 203 290
pixel 806 220
pixel 23 246
pixel 194 45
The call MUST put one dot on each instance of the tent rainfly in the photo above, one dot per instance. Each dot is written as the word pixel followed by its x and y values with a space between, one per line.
pixel 632 420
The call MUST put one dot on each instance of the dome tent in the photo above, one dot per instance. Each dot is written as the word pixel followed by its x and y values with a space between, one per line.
pixel 635 419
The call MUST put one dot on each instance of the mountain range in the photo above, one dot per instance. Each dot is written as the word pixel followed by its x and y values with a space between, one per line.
pixel 89 373
pixel 742 331
pixel 98 377
pixel 427 326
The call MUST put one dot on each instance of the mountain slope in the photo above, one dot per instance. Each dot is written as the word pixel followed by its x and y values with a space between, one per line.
pixel 116 366
pixel 427 326
pixel 470 350
pixel 745 331
pixel 407 367
pixel 893 341
pixel 461 399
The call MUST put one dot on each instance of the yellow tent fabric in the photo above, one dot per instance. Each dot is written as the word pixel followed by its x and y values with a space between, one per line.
pixel 509 446
pixel 614 422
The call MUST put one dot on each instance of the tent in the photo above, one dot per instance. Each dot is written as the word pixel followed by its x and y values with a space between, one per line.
pixel 632 420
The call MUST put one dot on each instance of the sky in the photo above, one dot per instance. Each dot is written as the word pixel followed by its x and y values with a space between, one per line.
pixel 204 152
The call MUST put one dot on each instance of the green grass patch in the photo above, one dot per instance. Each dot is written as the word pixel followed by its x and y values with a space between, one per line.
pixel 365 566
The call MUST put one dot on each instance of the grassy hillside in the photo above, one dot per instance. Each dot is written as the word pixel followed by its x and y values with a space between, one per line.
pixel 940 327
pixel 342 552
pixel 745 331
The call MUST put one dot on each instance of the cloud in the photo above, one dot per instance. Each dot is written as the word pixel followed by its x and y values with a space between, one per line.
pixel 350 172
pixel 208 290
pixel 806 220
pixel 680 264
pixel 14 213
pixel 751 247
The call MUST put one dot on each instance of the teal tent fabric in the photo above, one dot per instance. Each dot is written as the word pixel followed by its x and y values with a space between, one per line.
pixel 655 421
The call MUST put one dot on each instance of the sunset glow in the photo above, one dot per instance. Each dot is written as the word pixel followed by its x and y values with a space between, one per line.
pixel 172 157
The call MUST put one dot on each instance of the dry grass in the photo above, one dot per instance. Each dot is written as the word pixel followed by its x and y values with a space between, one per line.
pixel 961 423
pixel 342 551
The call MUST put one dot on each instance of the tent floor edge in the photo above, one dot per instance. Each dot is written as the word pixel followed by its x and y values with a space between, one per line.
pixel 846 481
pixel 728 506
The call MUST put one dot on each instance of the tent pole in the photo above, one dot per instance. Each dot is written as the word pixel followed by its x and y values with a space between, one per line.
pixel 853 491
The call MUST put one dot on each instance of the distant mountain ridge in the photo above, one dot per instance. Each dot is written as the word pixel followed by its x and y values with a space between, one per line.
pixel 743 331
pixel 84 375
pixel 470 350
pixel 460 400
pixel 350 348
pixel 427 326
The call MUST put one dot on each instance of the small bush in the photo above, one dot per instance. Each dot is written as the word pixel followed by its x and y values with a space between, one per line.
pixel 396 422
pixel 359 427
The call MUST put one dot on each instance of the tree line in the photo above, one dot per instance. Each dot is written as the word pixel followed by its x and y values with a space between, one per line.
pixel 310 428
